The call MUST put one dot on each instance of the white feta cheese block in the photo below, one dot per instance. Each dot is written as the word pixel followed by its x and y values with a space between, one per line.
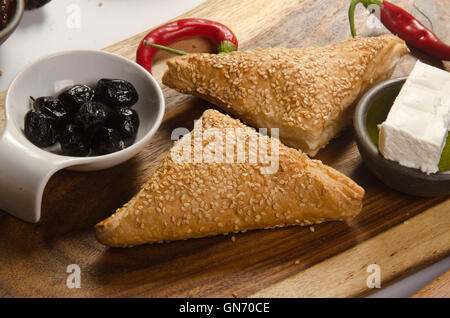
pixel 415 131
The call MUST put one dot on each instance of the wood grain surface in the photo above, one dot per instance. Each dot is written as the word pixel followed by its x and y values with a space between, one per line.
pixel 439 288
pixel 393 255
pixel 401 233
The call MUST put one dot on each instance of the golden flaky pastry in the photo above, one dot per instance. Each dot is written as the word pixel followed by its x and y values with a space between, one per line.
pixel 191 199
pixel 308 93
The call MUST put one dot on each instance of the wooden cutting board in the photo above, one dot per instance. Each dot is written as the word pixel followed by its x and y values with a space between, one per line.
pixel 398 232
pixel 439 288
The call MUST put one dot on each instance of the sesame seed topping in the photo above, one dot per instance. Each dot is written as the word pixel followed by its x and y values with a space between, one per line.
pixel 304 88
pixel 244 198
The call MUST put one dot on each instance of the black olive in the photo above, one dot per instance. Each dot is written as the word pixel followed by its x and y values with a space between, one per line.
pixel 40 129
pixel 107 140
pixel 89 134
pixel 72 141
pixel 51 107
pixel 116 93
pixel 92 114
pixel 73 98
pixel 126 122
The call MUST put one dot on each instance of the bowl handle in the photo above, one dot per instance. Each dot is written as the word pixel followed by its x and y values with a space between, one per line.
pixel 23 176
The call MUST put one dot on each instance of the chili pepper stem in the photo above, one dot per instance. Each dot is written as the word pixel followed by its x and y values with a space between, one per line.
pixel 165 48
pixel 226 47
pixel 222 48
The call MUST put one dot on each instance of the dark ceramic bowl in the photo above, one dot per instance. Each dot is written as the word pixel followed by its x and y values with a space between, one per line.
pixel 14 22
pixel 372 110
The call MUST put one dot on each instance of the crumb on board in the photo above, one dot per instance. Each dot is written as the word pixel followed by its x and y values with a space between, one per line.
pixel 297 261
pixel 312 229
pixel 405 222
pixel 233 238
pixel 234 294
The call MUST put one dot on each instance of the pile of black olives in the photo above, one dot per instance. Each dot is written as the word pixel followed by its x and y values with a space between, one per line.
pixel 85 121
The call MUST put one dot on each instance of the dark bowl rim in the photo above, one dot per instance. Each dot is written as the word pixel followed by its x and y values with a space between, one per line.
pixel 14 22
pixel 364 140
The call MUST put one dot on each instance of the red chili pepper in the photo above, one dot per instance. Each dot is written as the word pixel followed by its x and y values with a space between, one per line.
pixel 217 33
pixel 407 27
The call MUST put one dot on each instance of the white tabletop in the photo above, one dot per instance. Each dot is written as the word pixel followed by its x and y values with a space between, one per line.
pixel 94 24
pixel 82 24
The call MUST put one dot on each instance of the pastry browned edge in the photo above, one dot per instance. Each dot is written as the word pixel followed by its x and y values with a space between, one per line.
pixel 183 200
pixel 308 93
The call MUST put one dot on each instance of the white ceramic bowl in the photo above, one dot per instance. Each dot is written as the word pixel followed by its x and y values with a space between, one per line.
pixel 24 167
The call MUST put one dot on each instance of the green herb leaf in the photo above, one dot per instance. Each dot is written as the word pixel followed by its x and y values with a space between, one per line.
pixel 226 47
pixel 444 164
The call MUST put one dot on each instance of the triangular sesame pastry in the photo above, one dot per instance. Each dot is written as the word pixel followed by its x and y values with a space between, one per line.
pixel 308 93
pixel 189 199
